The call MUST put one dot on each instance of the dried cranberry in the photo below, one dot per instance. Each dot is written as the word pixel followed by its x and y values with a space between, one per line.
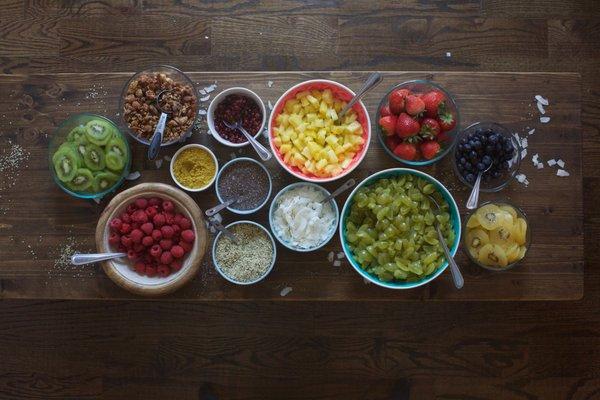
pixel 237 107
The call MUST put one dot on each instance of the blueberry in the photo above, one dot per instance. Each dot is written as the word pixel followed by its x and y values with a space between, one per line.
pixel 480 166
pixel 493 139
pixel 477 144
pixel 468 166
pixel 470 178
pixel 463 160
pixel 467 147
pixel 487 160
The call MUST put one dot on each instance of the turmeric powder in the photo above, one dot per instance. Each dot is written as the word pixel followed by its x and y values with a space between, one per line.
pixel 194 168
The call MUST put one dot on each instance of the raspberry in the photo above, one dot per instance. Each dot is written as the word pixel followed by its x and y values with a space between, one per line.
pixel 151 211
pixel 126 241
pixel 135 225
pixel 163 270
pixel 138 247
pixel 125 228
pixel 140 216
pixel 185 224
pixel 136 235
pixel 176 265
pixel 115 224
pixel 140 267
pixel 177 251
pixel 159 220
pixel 156 235
pixel 156 251
pixel 132 255
pixel 126 218
pixel 168 205
pixel 141 203
pixel 121 248
pixel 178 217
pixel 114 239
pixel 176 229
pixel 147 228
pixel 167 231
pixel 154 202
pixel 186 246
pixel 169 218
pixel 166 244
pixel 166 257
pixel 150 271
pixel 147 241
pixel 188 235
pixel 131 208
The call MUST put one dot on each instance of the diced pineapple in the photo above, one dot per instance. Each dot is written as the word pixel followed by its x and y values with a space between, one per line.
pixel 327 96
pixel 277 141
pixel 353 127
pixel 285 148
pixel 301 95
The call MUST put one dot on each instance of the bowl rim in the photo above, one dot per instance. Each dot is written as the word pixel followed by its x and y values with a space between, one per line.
pixel 223 274
pixel 242 159
pixel 452 133
pixel 123 175
pixel 528 235
pixel 506 132
pixel 153 68
pixel 457 226
pixel 218 99
pixel 272 213
pixel 359 157
pixel 189 146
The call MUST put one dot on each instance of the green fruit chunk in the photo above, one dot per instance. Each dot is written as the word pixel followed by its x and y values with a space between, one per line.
pixel 65 161
pixel 103 181
pixel 114 161
pixel 94 157
pixel 81 181
pixel 98 131
pixel 118 146
pixel 76 134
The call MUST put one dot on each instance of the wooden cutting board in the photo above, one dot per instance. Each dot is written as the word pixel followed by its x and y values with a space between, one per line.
pixel 39 223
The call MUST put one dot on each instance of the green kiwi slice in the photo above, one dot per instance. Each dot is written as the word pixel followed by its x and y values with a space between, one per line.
pixel 98 131
pixel 65 161
pixel 114 161
pixel 76 134
pixel 81 181
pixel 103 181
pixel 94 157
pixel 118 146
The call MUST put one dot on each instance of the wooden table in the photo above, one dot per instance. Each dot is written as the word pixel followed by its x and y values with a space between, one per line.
pixel 38 221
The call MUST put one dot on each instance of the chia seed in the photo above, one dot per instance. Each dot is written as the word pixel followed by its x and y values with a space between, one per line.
pixel 246 181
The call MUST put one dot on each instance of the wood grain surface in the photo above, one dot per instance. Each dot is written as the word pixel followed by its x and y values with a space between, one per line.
pixel 337 350
pixel 553 269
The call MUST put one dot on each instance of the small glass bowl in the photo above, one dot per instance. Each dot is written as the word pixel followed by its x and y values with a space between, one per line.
pixel 59 137
pixel 494 185
pixel 520 213
pixel 176 75
pixel 420 85
pixel 230 164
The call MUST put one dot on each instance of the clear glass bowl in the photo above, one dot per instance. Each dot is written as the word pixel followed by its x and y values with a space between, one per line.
pixel 59 137
pixel 494 185
pixel 520 213
pixel 176 75
pixel 421 86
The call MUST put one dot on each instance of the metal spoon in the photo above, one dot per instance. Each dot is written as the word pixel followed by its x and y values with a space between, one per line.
pixel 474 196
pixel 456 275
pixel 373 80
pixel 218 226
pixel 347 185
pixel 157 137
pixel 81 259
pixel 212 211
pixel 259 148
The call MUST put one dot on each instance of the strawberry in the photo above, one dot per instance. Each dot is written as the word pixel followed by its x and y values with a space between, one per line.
pixel 392 141
pixel 429 149
pixel 406 126
pixel 406 151
pixel 430 128
pixel 385 111
pixel 434 103
pixel 396 100
pixel 447 121
pixel 414 105
pixel 388 124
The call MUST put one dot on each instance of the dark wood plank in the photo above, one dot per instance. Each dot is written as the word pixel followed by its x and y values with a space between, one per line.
pixel 541 8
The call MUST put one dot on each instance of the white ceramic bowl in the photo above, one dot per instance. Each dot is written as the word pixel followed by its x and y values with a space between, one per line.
pixel 214 250
pixel 277 233
pixel 339 91
pixel 199 146
pixel 219 98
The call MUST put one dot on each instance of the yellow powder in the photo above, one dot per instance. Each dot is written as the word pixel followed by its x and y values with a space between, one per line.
pixel 194 168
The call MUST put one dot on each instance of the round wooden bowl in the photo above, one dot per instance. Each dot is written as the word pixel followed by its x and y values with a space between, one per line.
pixel 120 271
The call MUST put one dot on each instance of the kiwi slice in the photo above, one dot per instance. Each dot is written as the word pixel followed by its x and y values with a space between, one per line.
pixel 114 161
pixel 103 181
pixel 65 161
pixel 98 131
pixel 81 181
pixel 118 146
pixel 76 133
pixel 94 157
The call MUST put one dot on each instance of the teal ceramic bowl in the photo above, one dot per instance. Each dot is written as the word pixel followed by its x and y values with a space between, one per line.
pixel 389 173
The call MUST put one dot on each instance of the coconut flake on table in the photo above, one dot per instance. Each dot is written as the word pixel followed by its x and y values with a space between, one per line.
pixel 562 173
pixel 551 162
pixel 531 132
pixel 167 158
pixel 205 98
pixel 285 291
pixel 523 153
pixel 540 107
pixel 270 83
pixel 330 256
pixel 521 178
pixel 524 143
pixel 341 255
pixel 270 105
pixel 133 176
pixel 158 163
pixel 337 263
pixel 448 54
pixel 535 159
pixel 544 120
pixel 541 100
pixel 561 163
pixel 97 200
pixel 208 89
pixel 202 112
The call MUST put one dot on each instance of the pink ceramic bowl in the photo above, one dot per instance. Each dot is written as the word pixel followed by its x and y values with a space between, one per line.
pixel 340 92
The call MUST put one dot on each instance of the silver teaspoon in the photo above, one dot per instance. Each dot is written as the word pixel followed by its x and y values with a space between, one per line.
pixel 259 148
pixel 474 196
pixel 373 80
pixel 82 259
pixel 347 185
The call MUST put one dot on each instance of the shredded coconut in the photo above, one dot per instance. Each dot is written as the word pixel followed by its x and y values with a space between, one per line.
pixel 562 172
pixel 285 291
pixel 561 163
pixel 541 100
pixel 541 108
pixel 133 176
pixel 544 120
pixel 552 162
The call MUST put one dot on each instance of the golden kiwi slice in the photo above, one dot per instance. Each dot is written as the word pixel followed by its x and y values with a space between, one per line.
pixel 519 231
pixel 476 239
pixel 473 222
pixel 509 209
pixel 493 255
pixel 502 237
pixel 489 216
pixel 512 253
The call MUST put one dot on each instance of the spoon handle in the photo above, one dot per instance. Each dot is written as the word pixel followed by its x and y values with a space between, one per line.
pixel 157 137
pixel 474 196
pixel 457 277
pixel 259 148
pixel 81 259
pixel 218 226
pixel 347 185
pixel 373 80
pixel 212 211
